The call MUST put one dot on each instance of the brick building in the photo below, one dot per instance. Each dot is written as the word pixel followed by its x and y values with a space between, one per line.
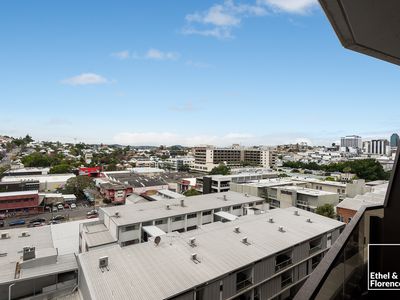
pixel 20 203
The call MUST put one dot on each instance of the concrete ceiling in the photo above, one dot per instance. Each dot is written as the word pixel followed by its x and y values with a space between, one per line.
pixel 371 27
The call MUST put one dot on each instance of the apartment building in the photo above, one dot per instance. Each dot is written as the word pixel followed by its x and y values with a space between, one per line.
pixel 377 147
pixel 133 224
pixel 351 141
pixel 176 163
pixel 254 257
pixel 300 197
pixel 208 157
pixel 221 183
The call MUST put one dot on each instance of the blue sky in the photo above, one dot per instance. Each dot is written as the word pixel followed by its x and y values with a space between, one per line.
pixel 187 72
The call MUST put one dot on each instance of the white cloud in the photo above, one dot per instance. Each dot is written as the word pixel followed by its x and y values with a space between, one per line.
pixel 290 6
pixel 185 107
pixel 85 79
pixel 219 20
pixel 160 55
pixel 121 54
pixel 168 138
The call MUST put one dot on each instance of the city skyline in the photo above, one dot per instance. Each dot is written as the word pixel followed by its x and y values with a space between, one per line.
pixel 215 72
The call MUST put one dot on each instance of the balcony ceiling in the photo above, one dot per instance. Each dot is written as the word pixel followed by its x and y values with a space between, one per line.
pixel 371 27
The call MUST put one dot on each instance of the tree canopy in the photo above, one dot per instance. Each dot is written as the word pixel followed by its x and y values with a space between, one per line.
pixel 60 169
pixel 326 210
pixel 191 192
pixel 76 185
pixel 368 169
pixel 220 170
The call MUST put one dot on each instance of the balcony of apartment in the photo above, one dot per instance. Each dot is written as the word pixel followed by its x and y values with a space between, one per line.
pixel 244 279
pixel 286 279
pixel 283 260
pixel 315 245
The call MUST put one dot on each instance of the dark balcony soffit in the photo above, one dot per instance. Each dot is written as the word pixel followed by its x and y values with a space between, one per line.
pixel 371 27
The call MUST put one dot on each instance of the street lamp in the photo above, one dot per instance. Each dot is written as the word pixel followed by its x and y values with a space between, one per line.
pixel 9 290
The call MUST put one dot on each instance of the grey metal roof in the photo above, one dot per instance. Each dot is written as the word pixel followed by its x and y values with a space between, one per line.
pixel 97 234
pixel 141 212
pixel 147 272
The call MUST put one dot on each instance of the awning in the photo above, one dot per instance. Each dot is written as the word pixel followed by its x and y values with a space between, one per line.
pixel 226 215
pixel 153 231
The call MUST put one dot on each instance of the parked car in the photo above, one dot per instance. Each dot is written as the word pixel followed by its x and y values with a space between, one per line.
pixel 1 223
pixel 17 222
pixel 58 218
pixel 36 224
pixel 55 209
pixel 66 205
pixel 92 212
pixel 37 220
pixel 60 206
pixel 73 205
pixel 54 222
pixel 91 216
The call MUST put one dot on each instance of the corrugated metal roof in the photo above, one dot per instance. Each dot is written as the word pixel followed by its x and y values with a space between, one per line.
pixel 146 271
pixel 141 212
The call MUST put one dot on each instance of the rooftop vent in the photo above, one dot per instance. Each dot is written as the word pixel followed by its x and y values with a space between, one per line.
pixel 246 195
pixel 309 220
pixel 168 207
pixel 25 234
pixel 192 242
pixel 117 215
pixel 28 253
pixel 182 202
pixel 245 241
pixel 237 229
pixel 296 213
pixel 271 220
pixel 103 262
pixel 280 228
pixel 5 235
pixel 224 197
pixel 194 257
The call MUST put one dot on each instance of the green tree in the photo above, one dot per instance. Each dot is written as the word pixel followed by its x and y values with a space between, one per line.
pixel 220 170
pixel 330 178
pixel 76 185
pixel 184 168
pixel 326 210
pixel 191 192
pixel 36 159
pixel 60 169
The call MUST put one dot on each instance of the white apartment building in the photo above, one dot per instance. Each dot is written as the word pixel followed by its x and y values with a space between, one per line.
pixel 266 256
pixel 133 224
pixel 351 141
pixel 378 147
pixel 207 157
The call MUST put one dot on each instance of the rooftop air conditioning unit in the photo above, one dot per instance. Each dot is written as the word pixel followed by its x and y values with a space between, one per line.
pixel 271 220
pixel 193 256
pixel 5 235
pixel 224 197
pixel 117 214
pixel 244 240
pixel 246 195
pixel 281 229
pixel 296 213
pixel 182 202
pixel 237 229
pixel 24 233
pixel 103 262
pixel 309 220
pixel 168 207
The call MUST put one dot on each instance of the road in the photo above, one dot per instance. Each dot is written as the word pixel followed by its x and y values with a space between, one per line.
pixel 78 213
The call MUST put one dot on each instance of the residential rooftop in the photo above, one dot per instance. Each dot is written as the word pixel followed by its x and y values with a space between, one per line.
pixel 377 197
pixel 141 212
pixel 147 271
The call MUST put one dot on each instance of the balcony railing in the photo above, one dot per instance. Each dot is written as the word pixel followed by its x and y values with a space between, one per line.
pixel 243 284
pixel 283 265
pixel 285 282
pixel 315 249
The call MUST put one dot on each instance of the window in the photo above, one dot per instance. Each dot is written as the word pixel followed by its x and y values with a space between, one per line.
pixel 259 203
pixel 315 245
pixel 148 223
pixel 191 228
pixel 283 260
pixel 286 279
pixel 130 227
pixel 206 213
pixel 131 242
pixel 192 216
pixel 315 261
pixel 343 191
pixel 160 222
pixel 236 207
pixel 177 219
pixel 244 278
